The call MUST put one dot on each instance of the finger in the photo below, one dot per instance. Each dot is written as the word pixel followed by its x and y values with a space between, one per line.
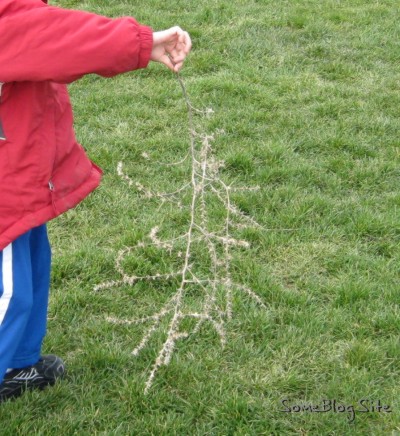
pixel 174 33
pixel 182 48
pixel 178 66
pixel 177 56
pixel 187 42
pixel 183 42
pixel 165 59
pixel 163 36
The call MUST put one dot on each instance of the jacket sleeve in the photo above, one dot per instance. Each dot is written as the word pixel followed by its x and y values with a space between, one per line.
pixel 51 43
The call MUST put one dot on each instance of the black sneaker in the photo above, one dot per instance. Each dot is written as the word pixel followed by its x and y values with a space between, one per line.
pixel 42 374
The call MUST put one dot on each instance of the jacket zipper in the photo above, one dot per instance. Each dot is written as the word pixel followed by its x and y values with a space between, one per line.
pixel 2 134
pixel 52 189
pixel 51 184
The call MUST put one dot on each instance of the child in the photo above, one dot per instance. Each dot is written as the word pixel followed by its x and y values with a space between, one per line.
pixel 43 170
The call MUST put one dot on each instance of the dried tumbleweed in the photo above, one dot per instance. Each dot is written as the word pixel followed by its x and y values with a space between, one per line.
pixel 204 181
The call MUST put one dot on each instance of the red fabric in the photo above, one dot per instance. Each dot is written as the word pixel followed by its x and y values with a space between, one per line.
pixel 43 47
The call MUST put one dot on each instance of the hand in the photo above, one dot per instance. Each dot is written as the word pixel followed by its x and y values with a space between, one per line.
pixel 170 47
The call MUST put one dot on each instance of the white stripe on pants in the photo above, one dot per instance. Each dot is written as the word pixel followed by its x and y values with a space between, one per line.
pixel 7 281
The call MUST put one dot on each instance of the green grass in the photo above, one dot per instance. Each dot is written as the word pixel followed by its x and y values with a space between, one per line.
pixel 307 95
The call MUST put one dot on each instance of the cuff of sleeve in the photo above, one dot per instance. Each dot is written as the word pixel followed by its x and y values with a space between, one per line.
pixel 146 45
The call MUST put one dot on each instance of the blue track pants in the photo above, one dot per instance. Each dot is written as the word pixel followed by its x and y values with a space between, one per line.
pixel 24 290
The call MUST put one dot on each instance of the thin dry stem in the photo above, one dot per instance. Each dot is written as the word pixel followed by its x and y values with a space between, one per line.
pixel 204 181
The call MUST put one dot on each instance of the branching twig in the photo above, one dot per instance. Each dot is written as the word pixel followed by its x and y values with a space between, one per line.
pixel 204 181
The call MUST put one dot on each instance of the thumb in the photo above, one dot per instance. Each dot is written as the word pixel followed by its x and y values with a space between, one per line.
pixel 165 59
pixel 166 35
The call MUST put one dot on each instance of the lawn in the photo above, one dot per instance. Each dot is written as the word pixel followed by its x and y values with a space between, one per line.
pixel 305 109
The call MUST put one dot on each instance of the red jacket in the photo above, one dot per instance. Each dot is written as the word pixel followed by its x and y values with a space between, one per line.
pixel 43 170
